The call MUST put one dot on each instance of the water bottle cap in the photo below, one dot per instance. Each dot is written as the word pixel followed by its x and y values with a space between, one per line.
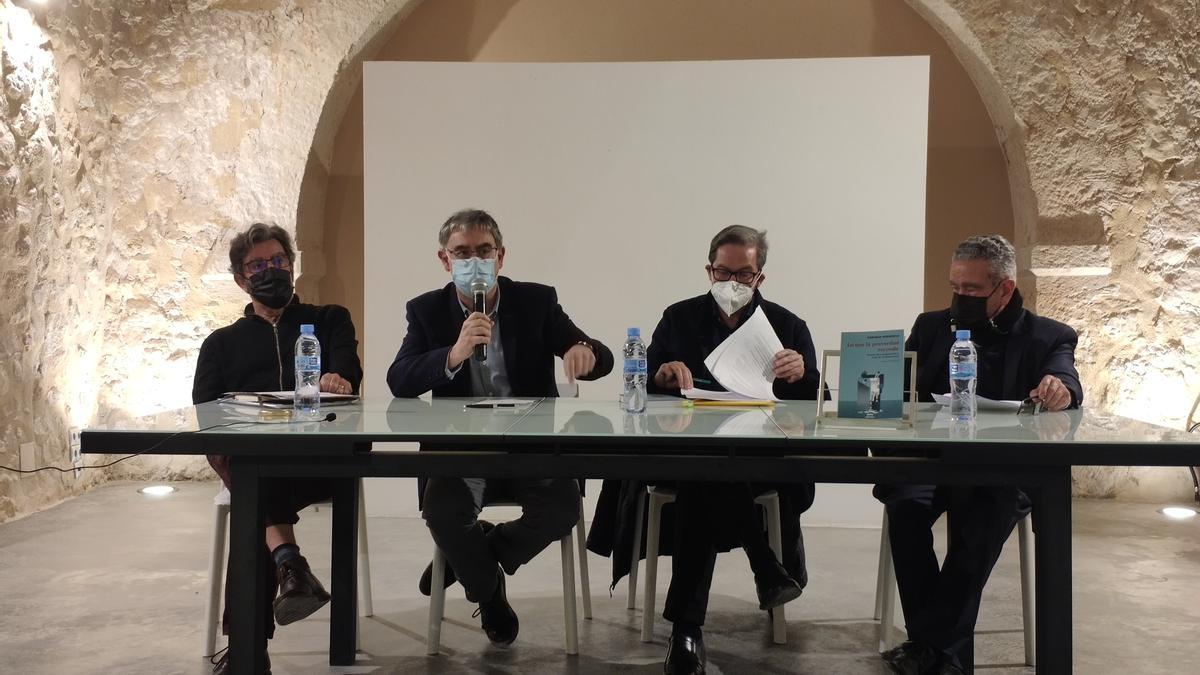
pixel 962 335
pixel 634 332
pixel 306 329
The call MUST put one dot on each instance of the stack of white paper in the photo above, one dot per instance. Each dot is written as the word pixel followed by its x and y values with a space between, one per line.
pixel 744 363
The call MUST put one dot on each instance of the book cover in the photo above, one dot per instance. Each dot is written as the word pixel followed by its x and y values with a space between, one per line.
pixel 871 377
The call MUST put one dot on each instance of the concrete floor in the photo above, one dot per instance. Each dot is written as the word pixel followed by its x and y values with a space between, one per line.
pixel 114 582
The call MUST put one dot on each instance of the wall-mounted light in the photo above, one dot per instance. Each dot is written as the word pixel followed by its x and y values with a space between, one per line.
pixel 1178 512
pixel 157 490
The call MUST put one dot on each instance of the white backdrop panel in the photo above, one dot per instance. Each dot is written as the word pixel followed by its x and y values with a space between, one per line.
pixel 609 179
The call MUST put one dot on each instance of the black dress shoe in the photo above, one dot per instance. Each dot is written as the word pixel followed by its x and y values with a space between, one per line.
pixel 685 654
pixel 425 585
pixel 300 594
pixel 948 668
pixel 775 587
pixel 222 667
pixel 497 617
pixel 911 658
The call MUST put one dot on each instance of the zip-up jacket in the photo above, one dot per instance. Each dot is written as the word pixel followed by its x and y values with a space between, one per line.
pixel 253 355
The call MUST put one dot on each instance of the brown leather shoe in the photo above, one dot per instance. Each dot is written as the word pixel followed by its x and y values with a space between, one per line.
pixel 300 594
pixel 222 667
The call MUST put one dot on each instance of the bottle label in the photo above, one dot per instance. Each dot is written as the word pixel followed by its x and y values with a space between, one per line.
pixel 962 371
pixel 635 366
pixel 308 363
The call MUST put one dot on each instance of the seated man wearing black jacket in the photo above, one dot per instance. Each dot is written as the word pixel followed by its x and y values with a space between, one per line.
pixel 709 513
pixel 1020 355
pixel 522 329
pixel 255 353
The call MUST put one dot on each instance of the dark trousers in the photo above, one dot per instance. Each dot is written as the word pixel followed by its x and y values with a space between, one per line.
pixel 942 605
pixel 282 498
pixel 549 509
pixel 711 516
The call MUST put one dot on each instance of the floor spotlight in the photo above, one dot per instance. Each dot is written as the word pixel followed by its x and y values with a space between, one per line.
pixel 157 490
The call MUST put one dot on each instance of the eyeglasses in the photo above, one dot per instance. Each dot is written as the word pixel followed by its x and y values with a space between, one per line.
pixel 466 253
pixel 259 264
pixel 1030 407
pixel 743 276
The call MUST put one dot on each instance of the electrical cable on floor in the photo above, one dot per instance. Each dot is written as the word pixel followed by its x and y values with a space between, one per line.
pixel 122 459
pixel 328 418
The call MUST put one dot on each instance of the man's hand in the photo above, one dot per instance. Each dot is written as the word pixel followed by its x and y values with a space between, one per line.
pixel 673 375
pixel 579 360
pixel 1053 394
pixel 476 330
pixel 789 366
pixel 335 384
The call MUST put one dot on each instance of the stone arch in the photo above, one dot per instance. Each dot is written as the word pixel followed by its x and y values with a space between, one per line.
pixel 310 206
pixel 1010 130
pixel 939 14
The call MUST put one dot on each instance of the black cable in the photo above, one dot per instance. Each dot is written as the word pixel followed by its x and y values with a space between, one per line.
pixel 328 418
pixel 140 452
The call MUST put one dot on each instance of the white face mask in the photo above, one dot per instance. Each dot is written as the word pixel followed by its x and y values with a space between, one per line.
pixel 731 295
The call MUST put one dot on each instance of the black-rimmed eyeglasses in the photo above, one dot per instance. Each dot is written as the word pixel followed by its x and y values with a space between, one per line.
pixel 742 276
pixel 466 253
pixel 257 265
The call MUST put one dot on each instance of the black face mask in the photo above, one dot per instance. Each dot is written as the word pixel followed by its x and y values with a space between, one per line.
pixel 969 310
pixel 272 287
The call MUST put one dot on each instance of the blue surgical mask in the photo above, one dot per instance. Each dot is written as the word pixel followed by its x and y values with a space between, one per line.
pixel 466 271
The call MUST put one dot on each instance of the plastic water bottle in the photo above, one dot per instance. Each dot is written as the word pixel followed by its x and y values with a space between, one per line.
pixel 963 368
pixel 307 400
pixel 633 398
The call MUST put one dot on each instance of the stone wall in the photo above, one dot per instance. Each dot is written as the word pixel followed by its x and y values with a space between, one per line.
pixel 135 136
pixel 1108 93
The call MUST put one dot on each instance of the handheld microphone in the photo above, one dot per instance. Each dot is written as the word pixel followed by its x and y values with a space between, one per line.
pixel 479 292
pixel 330 417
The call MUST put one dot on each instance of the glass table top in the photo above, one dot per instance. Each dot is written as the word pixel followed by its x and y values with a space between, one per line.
pixel 422 419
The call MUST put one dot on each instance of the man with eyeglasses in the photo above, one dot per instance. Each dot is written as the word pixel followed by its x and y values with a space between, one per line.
pixel 255 353
pixel 718 516
pixel 523 328
pixel 1020 355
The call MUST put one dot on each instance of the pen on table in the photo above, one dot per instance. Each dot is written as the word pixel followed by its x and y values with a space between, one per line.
pixel 701 380
pixel 490 405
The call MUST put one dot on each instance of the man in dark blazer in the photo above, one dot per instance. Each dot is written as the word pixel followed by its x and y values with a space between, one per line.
pixel 716 516
pixel 522 329
pixel 1020 355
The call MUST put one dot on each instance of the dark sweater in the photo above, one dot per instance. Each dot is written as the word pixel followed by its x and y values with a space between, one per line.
pixel 691 329
pixel 252 355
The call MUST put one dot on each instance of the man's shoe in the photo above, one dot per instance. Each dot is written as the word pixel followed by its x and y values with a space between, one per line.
pixel 300 594
pixel 222 667
pixel 685 654
pixel 497 617
pixel 911 658
pixel 775 587
pixel 425 585
pixel 948 668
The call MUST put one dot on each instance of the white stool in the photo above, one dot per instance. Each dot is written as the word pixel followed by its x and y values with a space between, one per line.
pixel 216 566
pixel 885 588
pixel 437 599
pixel 661 496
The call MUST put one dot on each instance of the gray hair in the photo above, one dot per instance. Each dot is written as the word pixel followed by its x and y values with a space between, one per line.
pixel 470 219
pixel 995 249
pixel 744 236
pixel 257 233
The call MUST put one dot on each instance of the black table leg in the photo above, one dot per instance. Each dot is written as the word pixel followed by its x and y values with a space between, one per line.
pixel 343 617
pixel 1052 534
pixel 247 550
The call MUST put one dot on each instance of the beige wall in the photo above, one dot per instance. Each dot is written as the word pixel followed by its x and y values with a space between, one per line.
pixel 967 190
